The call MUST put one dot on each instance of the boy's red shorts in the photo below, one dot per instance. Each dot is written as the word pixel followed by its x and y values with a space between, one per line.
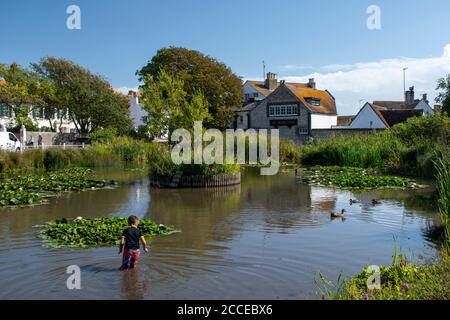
pixel 130 259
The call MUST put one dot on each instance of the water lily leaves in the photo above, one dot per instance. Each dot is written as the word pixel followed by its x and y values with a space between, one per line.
pixel 94 232
pixel 32 189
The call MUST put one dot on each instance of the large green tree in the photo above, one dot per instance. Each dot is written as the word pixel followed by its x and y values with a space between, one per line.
pixel 169 106
pixel 444 94
pixel 220 86
pixel 19 88
pixel 90 100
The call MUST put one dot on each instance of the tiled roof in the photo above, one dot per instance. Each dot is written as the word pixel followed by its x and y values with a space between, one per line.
pixel 393 117
pixel 260 87
pixel 344 120
pixel 393 105
pixel 2 82
pixel 303 93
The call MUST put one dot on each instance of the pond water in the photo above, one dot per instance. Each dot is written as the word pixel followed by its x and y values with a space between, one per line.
pixel 264 239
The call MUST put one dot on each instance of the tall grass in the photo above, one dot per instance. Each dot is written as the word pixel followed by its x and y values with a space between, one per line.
pixel 408 148
pixel 119 151
pixel 443 183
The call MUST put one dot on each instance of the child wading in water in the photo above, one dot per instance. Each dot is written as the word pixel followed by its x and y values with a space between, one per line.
pixel 130 240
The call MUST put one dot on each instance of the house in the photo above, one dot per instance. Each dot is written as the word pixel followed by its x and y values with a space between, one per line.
pixel 409 103
pixel 344 121
pixel 60 122
pixel 137 112
pixel 385 114
pixel 293 108
pixel 372 116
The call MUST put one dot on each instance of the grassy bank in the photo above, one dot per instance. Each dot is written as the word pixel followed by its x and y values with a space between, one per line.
pixel 400 281
pixel 409 148
pixel 118 151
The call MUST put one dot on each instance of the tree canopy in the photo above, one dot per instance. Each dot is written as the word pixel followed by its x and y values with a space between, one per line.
pixel 91 101
pixel 20 87
pixel 444 94
pixel 169 106
pixel 221 88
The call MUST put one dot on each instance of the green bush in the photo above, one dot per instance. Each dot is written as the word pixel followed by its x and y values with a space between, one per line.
pixel 103 135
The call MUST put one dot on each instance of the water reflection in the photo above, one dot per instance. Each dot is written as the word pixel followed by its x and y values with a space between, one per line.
pixel 264 239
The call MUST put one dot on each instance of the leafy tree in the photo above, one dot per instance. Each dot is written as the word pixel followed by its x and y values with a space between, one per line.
pixel 22 118
pixel 169 106
pixel 19 88
pixel 444 95
pixel 221 87
pixel 90 100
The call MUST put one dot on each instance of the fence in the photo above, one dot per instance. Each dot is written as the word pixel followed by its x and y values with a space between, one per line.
pixel 196 181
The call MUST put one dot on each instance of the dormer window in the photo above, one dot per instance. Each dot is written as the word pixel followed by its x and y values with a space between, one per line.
pixel 313 101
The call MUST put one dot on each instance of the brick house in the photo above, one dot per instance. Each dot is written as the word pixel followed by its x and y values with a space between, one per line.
pixel 293 108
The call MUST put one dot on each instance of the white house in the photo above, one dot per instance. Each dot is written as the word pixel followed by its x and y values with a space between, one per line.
pixel 60 122
pixel 137 112
pixel 377 117
pixel 385 114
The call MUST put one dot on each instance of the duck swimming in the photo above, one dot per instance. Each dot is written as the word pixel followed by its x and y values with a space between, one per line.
pixel 352 201
pixel 376 201
pixel 338 215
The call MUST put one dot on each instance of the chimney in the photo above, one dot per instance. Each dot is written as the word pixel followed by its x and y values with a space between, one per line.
pixel 409 96
pixel 425 97
pixel 271 81
pixel 132 95
pixel 312 83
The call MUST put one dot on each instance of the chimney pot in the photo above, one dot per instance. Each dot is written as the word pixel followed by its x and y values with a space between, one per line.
pixel 271 82
pixel 409 96
pixel 312 83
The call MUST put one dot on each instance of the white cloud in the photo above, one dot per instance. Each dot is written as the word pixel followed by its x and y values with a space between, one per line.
pixel 379 80
pixel 292 67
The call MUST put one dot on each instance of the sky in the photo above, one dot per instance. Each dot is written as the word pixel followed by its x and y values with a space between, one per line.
pixel 325 39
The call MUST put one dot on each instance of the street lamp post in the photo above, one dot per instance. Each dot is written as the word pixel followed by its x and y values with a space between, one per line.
pixel 404 79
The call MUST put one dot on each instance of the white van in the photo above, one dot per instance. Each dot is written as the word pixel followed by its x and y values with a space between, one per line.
pixel 9 142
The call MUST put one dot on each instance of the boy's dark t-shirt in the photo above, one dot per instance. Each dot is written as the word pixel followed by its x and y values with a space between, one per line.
pixel 132 236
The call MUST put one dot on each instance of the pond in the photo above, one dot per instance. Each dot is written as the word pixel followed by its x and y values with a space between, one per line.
pixel 264 239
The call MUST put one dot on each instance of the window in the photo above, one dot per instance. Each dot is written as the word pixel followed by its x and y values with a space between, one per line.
pixel 271 111
pixel 303 131
pixel 314 102
pixel 37 113
pixel 255 95
pixel 246 96
pixel 241 119
pixel 283 111
pixel 3 111
pixel 12 137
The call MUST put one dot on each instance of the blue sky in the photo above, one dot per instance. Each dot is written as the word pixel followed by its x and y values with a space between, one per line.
pixel 327 39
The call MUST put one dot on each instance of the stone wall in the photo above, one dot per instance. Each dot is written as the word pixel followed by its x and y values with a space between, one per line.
pixel 51 138
pixel 341 132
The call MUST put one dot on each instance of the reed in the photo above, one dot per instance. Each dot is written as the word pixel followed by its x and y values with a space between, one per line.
pixel 443 184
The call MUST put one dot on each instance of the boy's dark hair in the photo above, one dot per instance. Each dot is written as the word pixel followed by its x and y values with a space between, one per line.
pixel 132 220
